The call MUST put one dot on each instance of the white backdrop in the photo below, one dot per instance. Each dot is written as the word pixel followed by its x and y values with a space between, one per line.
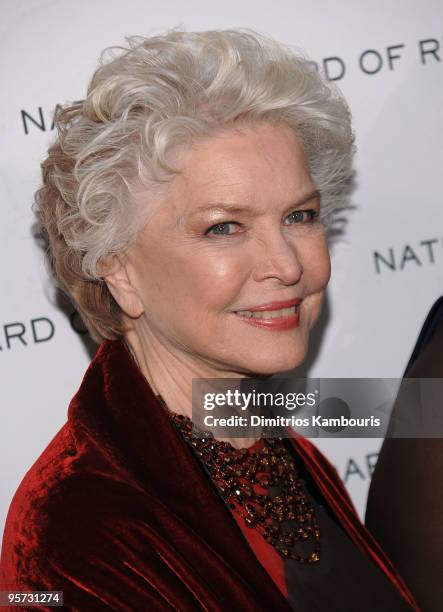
pixel 385 55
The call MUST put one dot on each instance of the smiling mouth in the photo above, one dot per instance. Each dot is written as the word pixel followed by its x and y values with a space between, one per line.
pixel 269 314
pixel 271 320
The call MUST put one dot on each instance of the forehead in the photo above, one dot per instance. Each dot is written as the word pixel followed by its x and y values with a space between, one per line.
pixel 258 165
pixel 234 156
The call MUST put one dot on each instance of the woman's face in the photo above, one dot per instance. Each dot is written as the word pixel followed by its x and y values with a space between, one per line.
pixel 195 265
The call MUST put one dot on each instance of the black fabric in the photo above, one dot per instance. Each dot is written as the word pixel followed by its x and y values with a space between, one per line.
pixel 344 580
pixel 405 499
pixel 431 326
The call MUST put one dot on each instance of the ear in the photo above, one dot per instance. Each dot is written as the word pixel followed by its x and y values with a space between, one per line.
pixel 119 283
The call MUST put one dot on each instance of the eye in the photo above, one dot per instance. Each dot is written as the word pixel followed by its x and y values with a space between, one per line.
pixel 220 227
pixel 303 216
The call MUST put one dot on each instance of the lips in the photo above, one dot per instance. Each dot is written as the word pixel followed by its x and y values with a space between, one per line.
pixel 273 305
pixel 288 318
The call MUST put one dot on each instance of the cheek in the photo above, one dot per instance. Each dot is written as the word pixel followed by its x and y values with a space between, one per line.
pixel 198 279
pixel 215 279
pixel 314 256
pixel 326 267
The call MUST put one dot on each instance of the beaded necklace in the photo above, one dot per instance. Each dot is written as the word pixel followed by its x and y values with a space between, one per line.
pixel 235 471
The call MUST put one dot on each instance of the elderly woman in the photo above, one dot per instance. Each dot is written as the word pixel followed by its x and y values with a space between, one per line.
pixel 182 205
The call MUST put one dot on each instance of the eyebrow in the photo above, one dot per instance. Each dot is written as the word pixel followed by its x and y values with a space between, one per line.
pixel 234 208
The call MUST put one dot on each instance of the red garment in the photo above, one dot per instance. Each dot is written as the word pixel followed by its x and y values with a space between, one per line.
pixel 118 513
pixel 265 552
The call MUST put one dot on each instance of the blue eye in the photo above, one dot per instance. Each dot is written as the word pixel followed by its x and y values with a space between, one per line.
pixel 304 216
pixel 220 226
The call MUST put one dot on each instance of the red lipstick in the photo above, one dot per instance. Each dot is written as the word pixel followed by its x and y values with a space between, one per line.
pixel 276 323
pixel 274 305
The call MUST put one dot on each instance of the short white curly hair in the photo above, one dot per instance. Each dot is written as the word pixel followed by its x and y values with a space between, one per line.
pixel 145 99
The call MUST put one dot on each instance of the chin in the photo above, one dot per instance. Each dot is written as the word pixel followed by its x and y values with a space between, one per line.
pixel 274 364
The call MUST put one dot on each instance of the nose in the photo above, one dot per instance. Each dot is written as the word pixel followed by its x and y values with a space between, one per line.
pixel 278 259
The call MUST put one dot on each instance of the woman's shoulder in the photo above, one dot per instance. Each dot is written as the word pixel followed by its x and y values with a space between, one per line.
pixel 65 499
pixel 78 524
pixel 27 519
pixel 42 479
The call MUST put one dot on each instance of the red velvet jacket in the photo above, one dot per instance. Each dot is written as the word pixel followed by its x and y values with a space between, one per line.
pixel 118 514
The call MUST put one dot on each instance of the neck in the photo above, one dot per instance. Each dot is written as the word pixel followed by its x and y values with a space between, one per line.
pixel 170 372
